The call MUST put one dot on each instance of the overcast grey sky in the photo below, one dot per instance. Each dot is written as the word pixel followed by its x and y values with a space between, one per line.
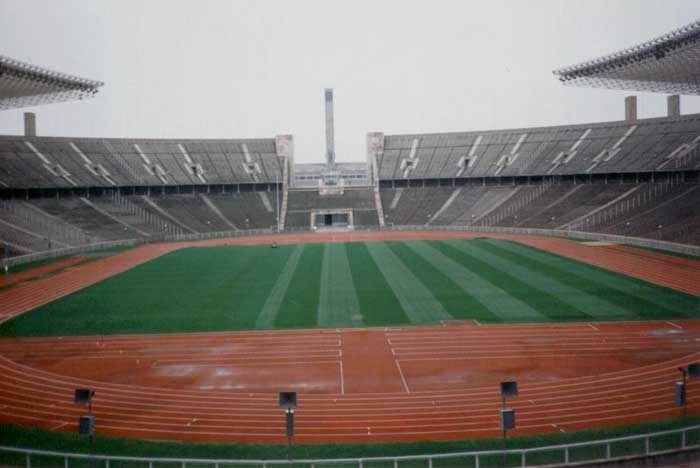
pixel 243 69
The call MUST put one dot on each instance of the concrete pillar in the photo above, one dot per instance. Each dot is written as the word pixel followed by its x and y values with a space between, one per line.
pixel 631 108
pixel 29 124
pixel 673 104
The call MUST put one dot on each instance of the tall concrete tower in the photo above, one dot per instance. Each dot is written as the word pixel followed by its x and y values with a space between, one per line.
pixel 330 144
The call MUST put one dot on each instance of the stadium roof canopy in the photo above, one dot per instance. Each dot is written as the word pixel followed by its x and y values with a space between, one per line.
pixel 23 84
pixel 667 64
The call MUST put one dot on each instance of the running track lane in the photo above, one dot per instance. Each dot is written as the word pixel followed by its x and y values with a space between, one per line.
pixel 636 393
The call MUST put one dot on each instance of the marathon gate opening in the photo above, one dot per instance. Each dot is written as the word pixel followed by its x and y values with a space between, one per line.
pixel 332 219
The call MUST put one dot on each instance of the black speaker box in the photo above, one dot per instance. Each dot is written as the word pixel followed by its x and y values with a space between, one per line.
pixel 680 394
pixel 83 396
pixel 86 425
pixel 507 419
pixel 509 389
pixel 288 400
pixel 694 370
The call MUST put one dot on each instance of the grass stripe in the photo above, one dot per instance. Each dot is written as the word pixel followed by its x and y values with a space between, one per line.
pixel 243 295
pixel 300 303
pixel 570 288
pixel 338 305
pixel 644 299
pixel 523 284
pixel 557 300
pixel 499 301
pixel 378 303
pixel 417 301
pixel 525 310
pixel 448 285
pixel 268 313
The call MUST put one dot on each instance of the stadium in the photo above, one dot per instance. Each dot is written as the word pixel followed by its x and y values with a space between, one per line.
pixel 506 297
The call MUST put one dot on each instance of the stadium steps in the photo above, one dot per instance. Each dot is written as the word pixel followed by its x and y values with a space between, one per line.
pixel 581 219
pixel 37 220
pixel 160 211
pixel 116 219
pixel 378 205
pixel 217 212
pixel 553 195
pixel 496 203
pixel 446 205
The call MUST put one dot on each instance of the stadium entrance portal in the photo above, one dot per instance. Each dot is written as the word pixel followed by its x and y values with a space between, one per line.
pixel 331 219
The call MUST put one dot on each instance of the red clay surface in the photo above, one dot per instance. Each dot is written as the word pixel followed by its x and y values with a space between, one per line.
pixel 355 385
pixel 14 278
pixel 364 385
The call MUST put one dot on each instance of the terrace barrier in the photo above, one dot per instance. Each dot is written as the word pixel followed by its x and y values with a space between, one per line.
pixel 592 236
pixel 619 448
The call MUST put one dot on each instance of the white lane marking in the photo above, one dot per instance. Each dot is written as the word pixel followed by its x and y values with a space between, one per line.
pixel 342 379
pixel 405 385
pixel 58 426
pixel 593 327
pixel 675 325
pixel 191 422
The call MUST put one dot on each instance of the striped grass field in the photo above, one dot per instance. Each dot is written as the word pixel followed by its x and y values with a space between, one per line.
pixel 350 285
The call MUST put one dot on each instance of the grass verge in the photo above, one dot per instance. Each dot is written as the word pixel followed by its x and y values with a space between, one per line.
pixel 40 439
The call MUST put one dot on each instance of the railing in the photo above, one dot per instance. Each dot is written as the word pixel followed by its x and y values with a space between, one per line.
pixel 593 236
pixel 55 253
pixel 618 448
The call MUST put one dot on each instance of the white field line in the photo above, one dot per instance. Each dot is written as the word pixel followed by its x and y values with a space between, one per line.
pixel 249 364
pixel 403 379
pixel 58 426
pixel 514 356
pixel 342 378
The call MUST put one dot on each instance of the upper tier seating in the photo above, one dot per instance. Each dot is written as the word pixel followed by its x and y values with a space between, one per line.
pixel 644 145
pixel 46 162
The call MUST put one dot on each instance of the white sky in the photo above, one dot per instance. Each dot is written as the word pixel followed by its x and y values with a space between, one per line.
pixel 244 69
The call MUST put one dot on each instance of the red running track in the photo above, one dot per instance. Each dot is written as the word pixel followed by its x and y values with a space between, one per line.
pixel 363 385
pixel 356 385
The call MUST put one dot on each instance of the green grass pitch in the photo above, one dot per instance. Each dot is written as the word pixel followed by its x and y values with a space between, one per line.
pixel 348 285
